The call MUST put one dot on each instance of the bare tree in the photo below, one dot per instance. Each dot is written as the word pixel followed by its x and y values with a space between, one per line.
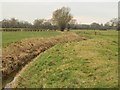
pixel 38 23
pixel 61 17
pixel 72 24
pixel 113 23
pixel 13 22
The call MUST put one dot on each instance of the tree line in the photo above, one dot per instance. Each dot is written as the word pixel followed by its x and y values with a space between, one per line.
pixel 61 19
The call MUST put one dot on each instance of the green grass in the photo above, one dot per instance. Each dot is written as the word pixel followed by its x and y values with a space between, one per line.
pixel 92 63
pixel 10 37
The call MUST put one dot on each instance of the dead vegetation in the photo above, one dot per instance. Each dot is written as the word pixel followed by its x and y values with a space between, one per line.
pixel 19 53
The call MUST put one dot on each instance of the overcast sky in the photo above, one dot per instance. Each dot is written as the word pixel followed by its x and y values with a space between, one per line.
pixel 84 12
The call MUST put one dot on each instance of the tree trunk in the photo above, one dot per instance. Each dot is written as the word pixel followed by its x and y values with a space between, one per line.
pixel 62 29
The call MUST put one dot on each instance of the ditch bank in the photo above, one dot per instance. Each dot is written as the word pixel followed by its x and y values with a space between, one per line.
pixel 18 54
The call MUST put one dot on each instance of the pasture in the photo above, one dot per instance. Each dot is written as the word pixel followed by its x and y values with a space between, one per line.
pixel 91 63
pixel 11 37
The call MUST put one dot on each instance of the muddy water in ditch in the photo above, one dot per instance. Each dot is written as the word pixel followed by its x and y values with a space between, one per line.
pixel 8 81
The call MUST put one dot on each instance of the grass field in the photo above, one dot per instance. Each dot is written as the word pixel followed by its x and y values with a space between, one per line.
pixel 10 37
pixel 91 63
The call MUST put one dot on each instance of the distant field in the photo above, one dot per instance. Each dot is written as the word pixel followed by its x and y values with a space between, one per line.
pixel 9 37
pixel 92 63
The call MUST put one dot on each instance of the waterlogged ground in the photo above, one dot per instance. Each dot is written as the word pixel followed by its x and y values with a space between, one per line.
pixel 85 64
